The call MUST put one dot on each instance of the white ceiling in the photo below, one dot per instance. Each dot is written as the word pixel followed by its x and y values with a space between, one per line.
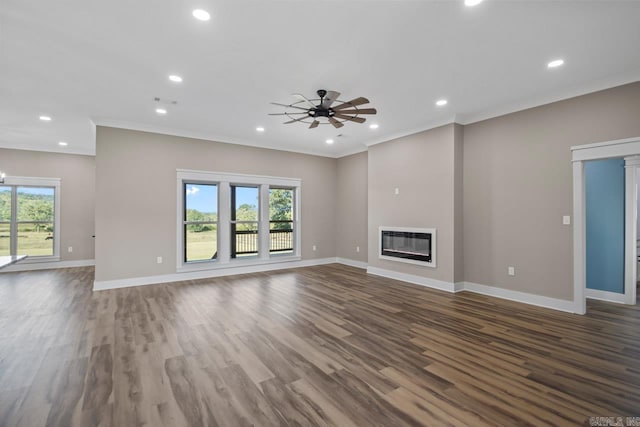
pixel 102 62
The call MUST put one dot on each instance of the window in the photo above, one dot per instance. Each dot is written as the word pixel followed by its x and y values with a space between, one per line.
pixel 244 221
pixel 281 220
pixel 6 202
pixel 200 221
pixel 29 218
pixel 232 219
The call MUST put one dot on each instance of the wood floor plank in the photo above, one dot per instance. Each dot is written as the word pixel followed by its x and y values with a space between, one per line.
pixel 184 390
pixel 318 346
pixel 313 397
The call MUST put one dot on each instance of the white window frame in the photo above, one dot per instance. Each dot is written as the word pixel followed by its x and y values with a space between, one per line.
pixel 184 222
pixel 295 200
pixel 24 181
pixel 258 222
pixel 224 181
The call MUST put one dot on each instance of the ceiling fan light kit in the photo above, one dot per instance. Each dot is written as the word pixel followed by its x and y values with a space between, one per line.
pixel 319 111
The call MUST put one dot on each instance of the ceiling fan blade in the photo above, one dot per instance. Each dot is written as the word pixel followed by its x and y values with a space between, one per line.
pixel 360 111
pixel 314 124
pixel 301 96
pixel 295 120
pixel 286 114
pixel 353 119
pixel 352 103
pixel 289 106
pixel 336 124
pixel 329 98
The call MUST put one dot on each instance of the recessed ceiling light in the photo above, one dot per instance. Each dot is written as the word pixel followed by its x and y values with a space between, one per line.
pixel 441 102
pixel 329 141
pixel 175 78
pixel 202 15
pixel 63 144
pixel 260 129
pixel 555 63
pixel 472 2
pixel 45 118
pixel 373 126
pixel 161 111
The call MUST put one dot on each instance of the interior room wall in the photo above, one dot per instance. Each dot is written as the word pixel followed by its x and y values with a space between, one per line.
pixel 77 191
pixel 136 196
pixel 518 185
pixel 458 203
pixel 422 167
pixel 351 207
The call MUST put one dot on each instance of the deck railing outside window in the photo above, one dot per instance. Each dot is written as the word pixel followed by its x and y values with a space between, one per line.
pixel 280 236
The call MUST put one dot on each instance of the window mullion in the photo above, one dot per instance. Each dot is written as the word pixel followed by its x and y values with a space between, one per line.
pixel 224 221
pixel 263 225
pixel 13 228
pixel 296 222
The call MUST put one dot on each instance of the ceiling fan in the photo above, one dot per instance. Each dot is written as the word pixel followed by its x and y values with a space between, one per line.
pixel 311 111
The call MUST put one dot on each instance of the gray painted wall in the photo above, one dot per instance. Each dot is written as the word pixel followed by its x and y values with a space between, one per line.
pixel 136 196
pixel 77 191
pixel 458 202
pixel 422 167
pixel 351 207
pixel 518 185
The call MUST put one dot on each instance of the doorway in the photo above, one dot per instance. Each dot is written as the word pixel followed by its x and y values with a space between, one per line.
pixel 629 150
pixel 605 228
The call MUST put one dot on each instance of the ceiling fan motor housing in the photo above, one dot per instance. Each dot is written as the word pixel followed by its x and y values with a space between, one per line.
pixel 321 112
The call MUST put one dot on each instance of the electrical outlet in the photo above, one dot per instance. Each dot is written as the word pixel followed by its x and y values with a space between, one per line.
pixel 314 248
pixel 159 260
pixel 396 191
pixel 511 271
pixel 70 249
pixel 357 248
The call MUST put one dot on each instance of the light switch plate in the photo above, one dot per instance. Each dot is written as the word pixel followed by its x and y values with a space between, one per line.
pixel 566 220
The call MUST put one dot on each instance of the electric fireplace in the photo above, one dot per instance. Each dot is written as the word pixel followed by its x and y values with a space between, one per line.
pixel 412 245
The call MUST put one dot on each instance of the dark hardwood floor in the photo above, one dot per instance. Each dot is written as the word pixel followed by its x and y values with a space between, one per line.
pixel 323 345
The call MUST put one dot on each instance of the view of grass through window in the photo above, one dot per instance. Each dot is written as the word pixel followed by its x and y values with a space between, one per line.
pixel 33 224
pixel 201 221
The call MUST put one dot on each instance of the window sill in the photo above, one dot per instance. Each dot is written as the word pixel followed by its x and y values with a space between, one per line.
pixel 236 263
pixel 38 259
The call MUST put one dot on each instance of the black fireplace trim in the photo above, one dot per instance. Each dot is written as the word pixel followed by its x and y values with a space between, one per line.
pixel 419 256
pixel 405 254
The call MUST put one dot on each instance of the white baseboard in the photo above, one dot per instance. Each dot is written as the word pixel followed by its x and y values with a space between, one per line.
pixel 351 262
pixel 101 285
pixel 523 297
pixel 25 266
pixel 532 299
pixel 416 280
pixel 605 296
